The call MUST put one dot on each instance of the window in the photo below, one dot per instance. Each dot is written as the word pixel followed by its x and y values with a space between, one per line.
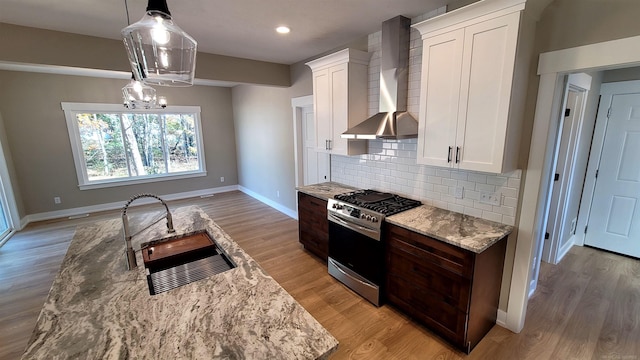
pixel 114 146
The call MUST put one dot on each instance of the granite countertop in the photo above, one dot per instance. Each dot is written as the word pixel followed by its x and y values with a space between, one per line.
pixel 326 190
pixel 468 232
pixel 97 309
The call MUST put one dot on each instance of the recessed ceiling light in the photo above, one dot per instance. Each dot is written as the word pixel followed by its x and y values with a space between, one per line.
pixel 283 29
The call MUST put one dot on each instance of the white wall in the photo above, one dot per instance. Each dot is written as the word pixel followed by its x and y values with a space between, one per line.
pixel 391 164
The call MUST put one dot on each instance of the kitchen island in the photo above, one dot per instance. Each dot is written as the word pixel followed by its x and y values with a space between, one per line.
pixel 97 309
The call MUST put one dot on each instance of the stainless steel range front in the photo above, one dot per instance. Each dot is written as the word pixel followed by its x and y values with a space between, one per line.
pixel 356 249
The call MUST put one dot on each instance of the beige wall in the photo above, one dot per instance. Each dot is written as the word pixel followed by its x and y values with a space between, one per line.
pixel 36 46
pixel 264 132
pixel 39 141
pixel 570 23
pixel 626 74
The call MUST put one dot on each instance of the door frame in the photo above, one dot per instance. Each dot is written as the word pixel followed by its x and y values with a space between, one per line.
pixel 297 104
pixel 552 67
pixel 11 208
pixel 607 91
pixel 552 251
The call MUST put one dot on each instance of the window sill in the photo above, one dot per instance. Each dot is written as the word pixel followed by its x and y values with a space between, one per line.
pixel 116 183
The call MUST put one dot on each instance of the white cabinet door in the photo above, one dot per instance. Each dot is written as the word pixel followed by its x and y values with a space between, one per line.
pixel 340 100
pixel 466 91
pixel 439 98
pixel 487 74
pixel 322 108
pixel 339 86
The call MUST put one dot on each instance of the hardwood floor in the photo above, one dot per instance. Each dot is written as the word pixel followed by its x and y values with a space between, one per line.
pixel 588 307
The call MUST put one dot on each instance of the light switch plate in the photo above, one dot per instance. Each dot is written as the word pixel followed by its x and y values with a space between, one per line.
pixel 490 198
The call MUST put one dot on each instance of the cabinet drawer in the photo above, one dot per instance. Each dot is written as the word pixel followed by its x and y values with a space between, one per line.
pixel 444 285
pixel 311 202
pixel 442 318
pixel 448 257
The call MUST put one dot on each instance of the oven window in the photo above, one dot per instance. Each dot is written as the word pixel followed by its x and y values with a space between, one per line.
pixel 358 252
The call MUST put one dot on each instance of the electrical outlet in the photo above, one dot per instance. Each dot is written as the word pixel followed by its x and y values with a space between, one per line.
pixel 57 200
pixel 459 192
pixel 278 193
pixel 489 198
pixel 221 178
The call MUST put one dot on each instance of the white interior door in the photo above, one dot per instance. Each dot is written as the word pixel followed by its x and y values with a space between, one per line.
pixel 565 196
pixel 614 222
pixel 316 165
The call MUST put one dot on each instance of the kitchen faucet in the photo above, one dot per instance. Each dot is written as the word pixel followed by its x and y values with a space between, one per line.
pixel 131 255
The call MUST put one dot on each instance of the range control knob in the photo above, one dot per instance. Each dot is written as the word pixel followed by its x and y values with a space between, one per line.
pixel 374 219
pixel 362 216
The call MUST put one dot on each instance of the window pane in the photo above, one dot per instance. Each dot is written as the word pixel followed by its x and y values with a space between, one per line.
pixel 181 142
pixel 101 139
pixel 143 134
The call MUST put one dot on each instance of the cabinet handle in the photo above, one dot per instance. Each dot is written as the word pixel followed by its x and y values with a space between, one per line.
pixel 449 155
pixel 329 148
pixel 326 144
pixel 457 154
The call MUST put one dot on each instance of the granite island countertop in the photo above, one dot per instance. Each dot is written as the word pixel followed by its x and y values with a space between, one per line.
pixel 465 231
pixel 97 309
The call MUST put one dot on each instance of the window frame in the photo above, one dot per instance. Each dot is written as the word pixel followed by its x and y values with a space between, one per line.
pixel 72 109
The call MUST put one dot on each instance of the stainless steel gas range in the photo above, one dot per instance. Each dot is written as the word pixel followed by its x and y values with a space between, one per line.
pixel 356 244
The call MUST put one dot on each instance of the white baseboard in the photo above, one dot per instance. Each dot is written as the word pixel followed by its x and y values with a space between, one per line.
pixel 79 211
pixel 283 209
pixel 501 319
pixel 564 249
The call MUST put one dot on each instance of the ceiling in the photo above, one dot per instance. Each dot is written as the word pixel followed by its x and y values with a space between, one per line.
pixel 240 28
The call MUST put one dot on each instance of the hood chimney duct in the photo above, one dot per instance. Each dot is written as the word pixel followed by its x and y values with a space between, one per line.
pixel 393 121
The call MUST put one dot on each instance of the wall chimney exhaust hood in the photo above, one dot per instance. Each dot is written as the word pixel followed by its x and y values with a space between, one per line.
pixel 393 121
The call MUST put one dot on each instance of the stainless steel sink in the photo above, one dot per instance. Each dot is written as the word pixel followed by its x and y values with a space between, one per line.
pixel 180 260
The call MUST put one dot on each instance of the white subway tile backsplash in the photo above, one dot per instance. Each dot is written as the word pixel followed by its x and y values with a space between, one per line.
pixel 478 178
pixel 450 182
pixel 497 180
pixel 509 192
pixel 472 211
pixel 486 188
pixel 509 220
pixel 391 164
pixel 488 215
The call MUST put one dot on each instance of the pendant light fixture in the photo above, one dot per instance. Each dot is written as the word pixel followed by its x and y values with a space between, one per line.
pixel 137 95
pixel 159 51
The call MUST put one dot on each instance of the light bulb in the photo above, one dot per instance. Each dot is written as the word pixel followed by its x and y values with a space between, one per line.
pixel 283 29
pixel 159 32
pixel 164 58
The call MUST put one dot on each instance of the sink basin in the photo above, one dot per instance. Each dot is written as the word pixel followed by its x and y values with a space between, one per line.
pixel 180 260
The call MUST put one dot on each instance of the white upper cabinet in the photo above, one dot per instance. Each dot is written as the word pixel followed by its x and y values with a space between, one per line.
pixel 470 106
pixel 340 88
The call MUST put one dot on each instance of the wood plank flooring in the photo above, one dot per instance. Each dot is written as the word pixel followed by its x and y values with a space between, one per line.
pixel 587 307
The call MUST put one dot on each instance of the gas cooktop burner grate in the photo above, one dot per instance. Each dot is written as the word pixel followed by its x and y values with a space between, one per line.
pixel 383 203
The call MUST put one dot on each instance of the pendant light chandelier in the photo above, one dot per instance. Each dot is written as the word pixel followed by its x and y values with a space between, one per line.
pixel 160 53
pixel 137 95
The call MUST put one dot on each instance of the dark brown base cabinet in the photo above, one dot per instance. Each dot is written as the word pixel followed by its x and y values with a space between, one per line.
pixel 313 226
pixel 452 291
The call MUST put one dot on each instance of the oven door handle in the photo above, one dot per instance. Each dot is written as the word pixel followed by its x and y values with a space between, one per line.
pixel 339 268
pixel 350 225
